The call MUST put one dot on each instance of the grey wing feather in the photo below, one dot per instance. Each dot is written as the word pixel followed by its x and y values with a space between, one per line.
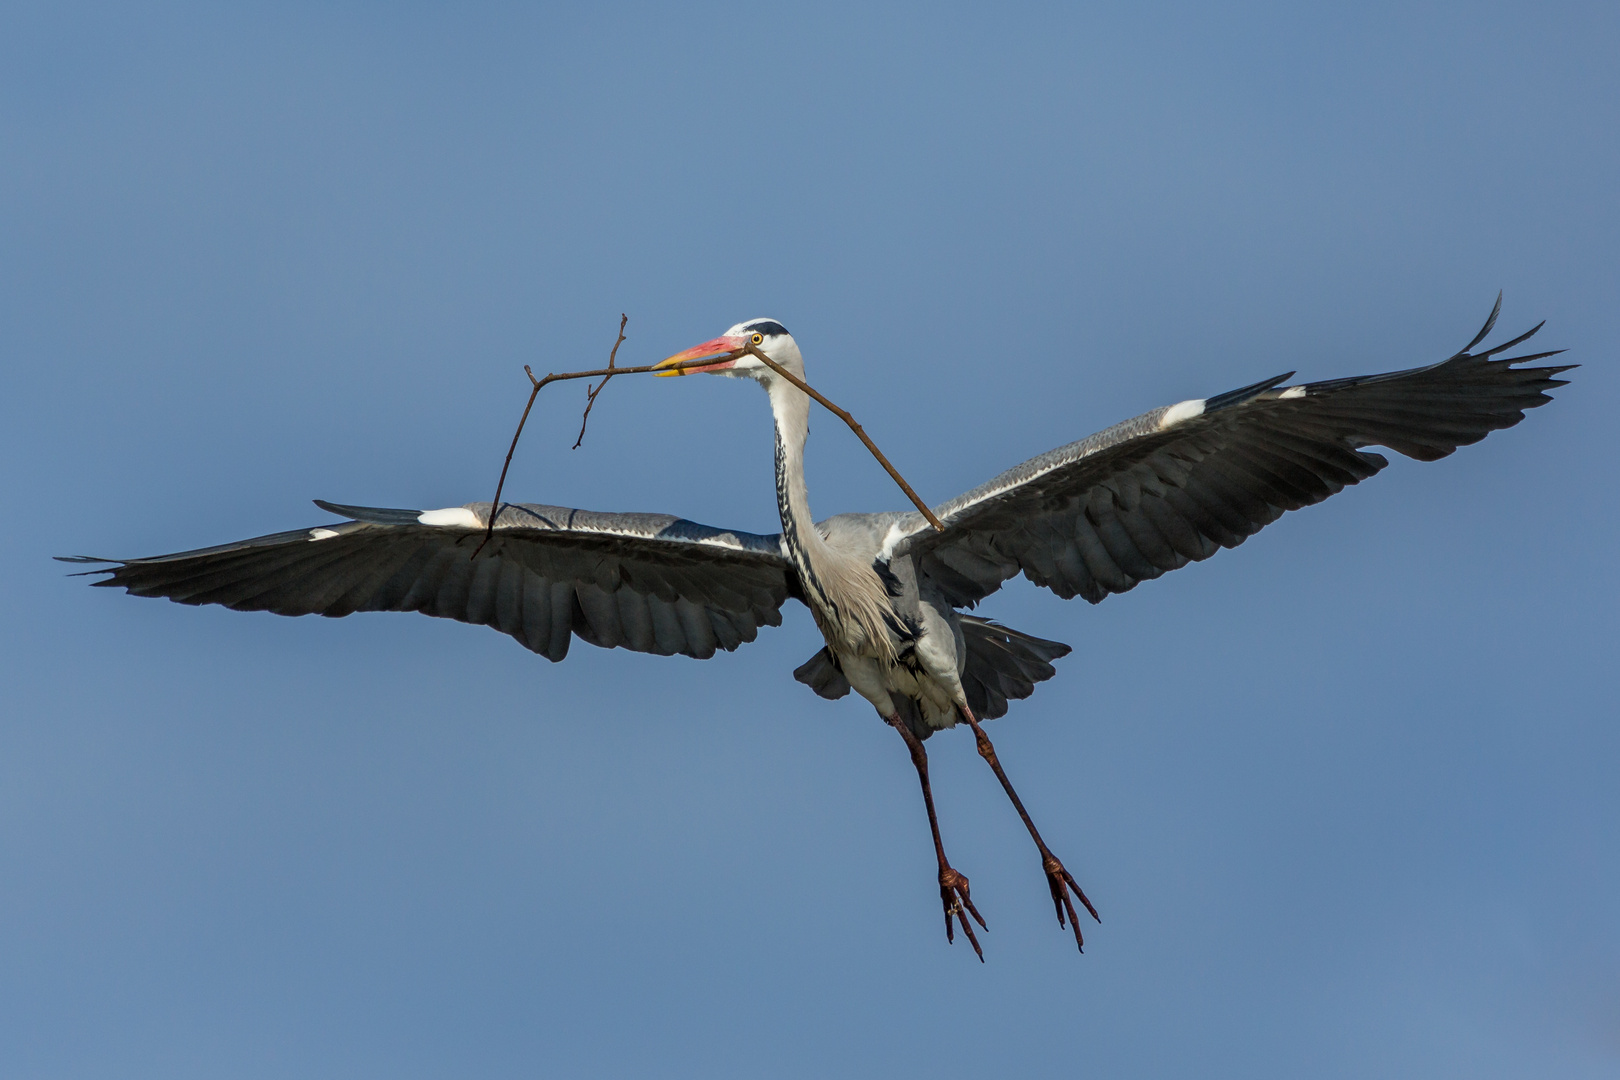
pixel 1178 484
pixel 822 674
pixel 646 582
pixel 1003 664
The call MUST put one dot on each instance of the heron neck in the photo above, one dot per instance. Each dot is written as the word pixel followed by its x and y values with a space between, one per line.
pixel 804 543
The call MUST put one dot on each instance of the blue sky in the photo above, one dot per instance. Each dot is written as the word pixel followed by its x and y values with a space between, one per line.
pixel 1345 796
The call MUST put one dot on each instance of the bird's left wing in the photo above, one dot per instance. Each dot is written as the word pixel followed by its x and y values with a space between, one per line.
pixel 1179 483
pixel 646 582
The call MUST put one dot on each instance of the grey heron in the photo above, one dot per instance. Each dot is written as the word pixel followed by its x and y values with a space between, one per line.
pixel 888 591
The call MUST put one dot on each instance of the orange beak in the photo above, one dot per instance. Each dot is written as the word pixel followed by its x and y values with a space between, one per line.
pixel 719 347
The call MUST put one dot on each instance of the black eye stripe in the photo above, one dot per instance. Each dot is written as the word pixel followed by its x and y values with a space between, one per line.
pixel 767 327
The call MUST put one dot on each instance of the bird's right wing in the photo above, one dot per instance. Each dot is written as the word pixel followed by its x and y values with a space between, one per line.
pixel 646 582
pixel 1179 483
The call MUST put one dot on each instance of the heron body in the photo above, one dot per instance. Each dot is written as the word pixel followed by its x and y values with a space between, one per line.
pixel 889 592
pixel 891 636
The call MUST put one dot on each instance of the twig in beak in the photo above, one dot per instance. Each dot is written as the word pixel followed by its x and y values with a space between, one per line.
pixel 611 370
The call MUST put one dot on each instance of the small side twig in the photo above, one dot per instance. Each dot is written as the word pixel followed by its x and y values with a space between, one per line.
pixel 590 394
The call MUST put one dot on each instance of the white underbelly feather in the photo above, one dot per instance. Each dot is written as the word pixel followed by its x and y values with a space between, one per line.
pixel 880 682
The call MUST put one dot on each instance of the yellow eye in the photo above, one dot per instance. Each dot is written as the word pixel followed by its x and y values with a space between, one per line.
pixel 757 338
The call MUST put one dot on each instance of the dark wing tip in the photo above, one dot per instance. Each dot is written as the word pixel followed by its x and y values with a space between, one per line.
pixel 1489 323
pixel 1239 396
pixel 102 566
pixel 376 515
pixel 1540 356
pixel 1505 346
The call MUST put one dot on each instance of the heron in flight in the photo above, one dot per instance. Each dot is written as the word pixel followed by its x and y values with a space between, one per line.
pixel 887 590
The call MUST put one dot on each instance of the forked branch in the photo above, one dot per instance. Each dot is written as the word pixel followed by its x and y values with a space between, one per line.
pixel 611 370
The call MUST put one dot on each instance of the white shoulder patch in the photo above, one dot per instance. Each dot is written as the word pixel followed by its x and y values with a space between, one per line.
pixel 322 534
pixel 1291 393
pixel 1180 412
pixel 890 539
pixel 452 517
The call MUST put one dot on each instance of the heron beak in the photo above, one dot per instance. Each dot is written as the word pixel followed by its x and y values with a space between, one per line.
pixel 718 348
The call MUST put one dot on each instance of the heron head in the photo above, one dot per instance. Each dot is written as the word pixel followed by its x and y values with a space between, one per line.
pixel 731 357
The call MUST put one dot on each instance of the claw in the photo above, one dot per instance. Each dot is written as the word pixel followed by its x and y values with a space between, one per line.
pixel 953 893
pixel 1060 881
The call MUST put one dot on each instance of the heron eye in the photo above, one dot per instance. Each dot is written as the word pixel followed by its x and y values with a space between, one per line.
pixel 757 338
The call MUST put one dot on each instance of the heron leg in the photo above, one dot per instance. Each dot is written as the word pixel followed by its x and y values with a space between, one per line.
pixel 1058 879
pixel 953 885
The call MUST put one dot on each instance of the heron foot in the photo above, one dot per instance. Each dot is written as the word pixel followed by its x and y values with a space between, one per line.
pixel 1060 881
pixel 953 893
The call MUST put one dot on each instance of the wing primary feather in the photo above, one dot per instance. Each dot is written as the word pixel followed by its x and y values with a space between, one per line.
pixel 376 515
pixel 1239 396
pixel 1506 345
pixel 1489 322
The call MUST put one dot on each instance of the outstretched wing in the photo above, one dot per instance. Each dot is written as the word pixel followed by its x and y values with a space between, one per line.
pixel 646 582
pixel 1177 484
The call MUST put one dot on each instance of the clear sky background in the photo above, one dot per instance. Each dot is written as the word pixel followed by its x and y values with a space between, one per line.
pixel 1346 796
